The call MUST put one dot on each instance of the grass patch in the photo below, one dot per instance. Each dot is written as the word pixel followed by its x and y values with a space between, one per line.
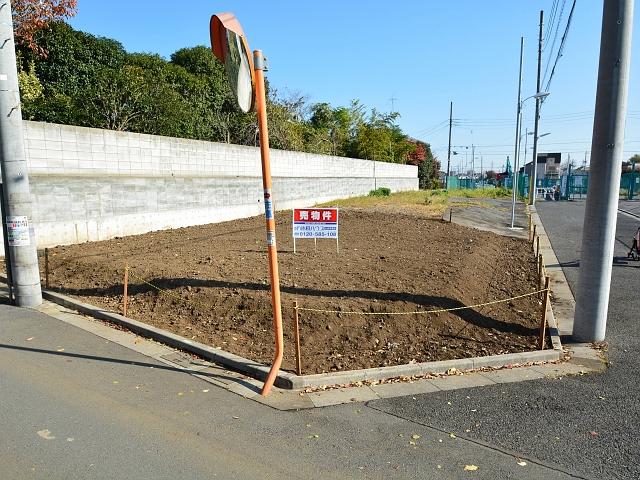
pixel 429 202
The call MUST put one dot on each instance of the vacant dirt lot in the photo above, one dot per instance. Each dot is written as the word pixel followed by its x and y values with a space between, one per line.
pixel 215 288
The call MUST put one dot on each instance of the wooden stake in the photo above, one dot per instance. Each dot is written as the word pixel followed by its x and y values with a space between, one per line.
pixel 126 290
pixel 535 227
pixel 450 210
pixel 296 334
pixel 543 318
pixel 537 246
pixel 46 268
pixel 540 274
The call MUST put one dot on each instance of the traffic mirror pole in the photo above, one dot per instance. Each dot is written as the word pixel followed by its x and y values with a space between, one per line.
pixel 261 109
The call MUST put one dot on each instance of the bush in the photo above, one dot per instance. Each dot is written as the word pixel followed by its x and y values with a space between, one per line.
pixel 501 192
pixel 380 192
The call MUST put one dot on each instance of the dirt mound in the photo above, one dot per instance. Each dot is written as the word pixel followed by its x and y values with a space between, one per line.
pixel 215 288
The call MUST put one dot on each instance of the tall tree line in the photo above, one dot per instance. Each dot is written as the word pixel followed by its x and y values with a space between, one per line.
pixel 72 77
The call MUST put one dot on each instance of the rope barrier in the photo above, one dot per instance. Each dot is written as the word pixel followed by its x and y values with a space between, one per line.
pixel 440 310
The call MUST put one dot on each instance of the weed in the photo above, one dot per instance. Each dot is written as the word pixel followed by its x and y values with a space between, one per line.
pixel 380 192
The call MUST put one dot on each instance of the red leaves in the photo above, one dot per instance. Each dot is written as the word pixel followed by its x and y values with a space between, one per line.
pixel 29 16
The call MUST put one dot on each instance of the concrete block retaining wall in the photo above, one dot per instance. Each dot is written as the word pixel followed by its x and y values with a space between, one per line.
pixel 90 184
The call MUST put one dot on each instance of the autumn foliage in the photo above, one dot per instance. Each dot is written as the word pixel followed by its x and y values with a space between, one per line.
pixel 30 16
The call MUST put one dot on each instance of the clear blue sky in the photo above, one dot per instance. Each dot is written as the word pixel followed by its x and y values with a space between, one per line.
pixel 422 53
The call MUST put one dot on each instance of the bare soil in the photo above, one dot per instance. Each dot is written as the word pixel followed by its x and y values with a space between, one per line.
pixel 215 288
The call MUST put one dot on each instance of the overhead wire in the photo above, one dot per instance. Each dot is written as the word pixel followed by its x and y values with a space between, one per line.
pixel 555 37
pixel 562 44
pixel 549 26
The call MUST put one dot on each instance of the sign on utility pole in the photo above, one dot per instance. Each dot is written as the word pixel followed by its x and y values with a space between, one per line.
pixel 21 240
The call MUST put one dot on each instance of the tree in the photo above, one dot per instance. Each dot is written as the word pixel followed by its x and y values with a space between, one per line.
pixel 428 165
pixel 635 158
pixel 31 16
pixel 74 58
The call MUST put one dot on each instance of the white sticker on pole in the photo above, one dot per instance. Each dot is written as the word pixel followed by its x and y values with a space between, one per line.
pixel 271 238
pixel 18 231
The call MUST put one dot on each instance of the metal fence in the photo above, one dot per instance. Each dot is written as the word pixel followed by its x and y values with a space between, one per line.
pixel 571 186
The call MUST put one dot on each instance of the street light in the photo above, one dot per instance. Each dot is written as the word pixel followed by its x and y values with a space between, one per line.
pixel 514 184
pixel 532 193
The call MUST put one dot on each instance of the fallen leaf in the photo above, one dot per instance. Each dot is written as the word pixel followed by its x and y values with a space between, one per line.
pixel 205 390
pixel 439 467
pixel 471 468
pixel 46 434
pixel 180 394
pixel 452 435
pixel 60 350
pixel 115 382
pixel 415 436
pixel 411 442
pixel 70 439
pixel 522 463
pixel 235 417
pixel 593 434
pixel 29 339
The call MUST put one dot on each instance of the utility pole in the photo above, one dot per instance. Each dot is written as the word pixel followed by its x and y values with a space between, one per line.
pixel 534 173
pixel 393 99
pixel 599 229
pixel 514 176
pixel 473 166
pixel 22 245
pixel 446 182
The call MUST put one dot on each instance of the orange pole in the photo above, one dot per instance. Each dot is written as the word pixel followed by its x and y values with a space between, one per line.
pixel 261 109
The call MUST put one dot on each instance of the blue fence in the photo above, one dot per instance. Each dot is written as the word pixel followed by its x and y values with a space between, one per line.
pixel 570 186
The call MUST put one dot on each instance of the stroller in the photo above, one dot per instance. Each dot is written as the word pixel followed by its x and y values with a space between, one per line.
pixel 634 253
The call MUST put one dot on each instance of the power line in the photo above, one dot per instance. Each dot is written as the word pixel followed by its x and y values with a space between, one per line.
pixel 555 37
pixel 561 48
pixel 552 15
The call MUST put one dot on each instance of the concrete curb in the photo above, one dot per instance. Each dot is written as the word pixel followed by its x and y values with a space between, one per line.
pixel 563 302
pixel 290 381
pixel 627 212
pixel 220 357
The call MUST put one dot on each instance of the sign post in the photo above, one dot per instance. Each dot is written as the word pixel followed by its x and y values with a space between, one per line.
pixel 246 77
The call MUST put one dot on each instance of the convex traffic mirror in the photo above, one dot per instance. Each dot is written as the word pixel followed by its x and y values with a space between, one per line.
pixel 230 46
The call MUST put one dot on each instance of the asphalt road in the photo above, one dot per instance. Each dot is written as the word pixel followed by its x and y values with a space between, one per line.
pixel 75 406
pixel 587 424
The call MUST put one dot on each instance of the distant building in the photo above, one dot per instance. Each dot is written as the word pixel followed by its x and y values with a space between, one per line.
pixel 547 165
